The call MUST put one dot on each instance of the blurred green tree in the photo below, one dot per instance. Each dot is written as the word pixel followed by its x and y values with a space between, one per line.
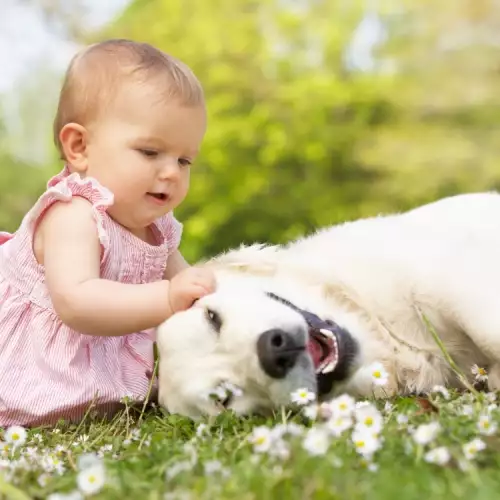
pixel 284 116
pixel 319 110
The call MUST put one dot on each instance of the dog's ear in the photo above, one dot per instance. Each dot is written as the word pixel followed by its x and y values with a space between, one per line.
pixel 258 259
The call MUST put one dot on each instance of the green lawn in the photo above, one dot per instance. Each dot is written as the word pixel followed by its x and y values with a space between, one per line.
pixel 154 456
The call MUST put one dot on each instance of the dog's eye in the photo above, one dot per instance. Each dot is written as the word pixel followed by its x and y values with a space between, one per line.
pixel 214 319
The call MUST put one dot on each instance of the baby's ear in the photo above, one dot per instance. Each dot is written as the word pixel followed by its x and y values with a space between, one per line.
pixel 74 139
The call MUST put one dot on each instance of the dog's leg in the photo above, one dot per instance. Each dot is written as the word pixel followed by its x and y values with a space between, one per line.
pixel 471 302
pixel 494 377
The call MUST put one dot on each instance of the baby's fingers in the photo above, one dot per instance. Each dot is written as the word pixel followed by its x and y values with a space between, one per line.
pixel 197 292
pixel 205 279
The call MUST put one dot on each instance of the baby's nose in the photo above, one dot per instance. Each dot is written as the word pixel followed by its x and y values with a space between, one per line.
pixel 170 170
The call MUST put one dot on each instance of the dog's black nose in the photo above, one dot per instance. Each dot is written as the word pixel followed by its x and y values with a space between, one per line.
pixel 278 351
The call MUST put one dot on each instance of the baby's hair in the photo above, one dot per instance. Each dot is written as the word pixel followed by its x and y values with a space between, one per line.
pixel 95 74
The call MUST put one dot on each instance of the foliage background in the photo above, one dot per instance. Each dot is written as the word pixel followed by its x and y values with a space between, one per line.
pixel 320 111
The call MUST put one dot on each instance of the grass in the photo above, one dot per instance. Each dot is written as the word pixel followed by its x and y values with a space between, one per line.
pixel 155 455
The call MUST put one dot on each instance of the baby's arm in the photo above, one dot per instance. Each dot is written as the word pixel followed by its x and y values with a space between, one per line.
pixel 175 264
pixel 70 253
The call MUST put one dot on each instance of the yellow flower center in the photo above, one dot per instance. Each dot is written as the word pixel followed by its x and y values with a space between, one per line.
pixel 481 371
pixel 369 421
pixel 15 436
pixel 343 406
pixel 260 440
pixel 359 444
pixel 377 374
pixel 91 479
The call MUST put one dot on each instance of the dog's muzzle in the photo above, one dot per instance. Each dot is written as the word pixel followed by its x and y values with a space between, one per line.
pixel 278 351
pixel 331 348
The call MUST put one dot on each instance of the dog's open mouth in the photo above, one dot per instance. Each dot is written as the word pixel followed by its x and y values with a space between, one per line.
pixel 323 349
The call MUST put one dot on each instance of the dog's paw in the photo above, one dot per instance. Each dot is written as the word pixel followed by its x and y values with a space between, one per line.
pixel 388 390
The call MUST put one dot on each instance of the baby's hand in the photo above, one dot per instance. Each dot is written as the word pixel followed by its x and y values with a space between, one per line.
pixel 188 286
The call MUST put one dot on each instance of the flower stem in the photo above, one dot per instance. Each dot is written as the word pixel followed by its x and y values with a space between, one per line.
pixel 445 353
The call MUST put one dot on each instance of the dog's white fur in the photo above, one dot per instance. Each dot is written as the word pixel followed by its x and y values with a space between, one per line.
pixel 373 277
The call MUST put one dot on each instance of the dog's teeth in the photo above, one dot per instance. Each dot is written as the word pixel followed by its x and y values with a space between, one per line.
pixel 329 367
pixel 326 333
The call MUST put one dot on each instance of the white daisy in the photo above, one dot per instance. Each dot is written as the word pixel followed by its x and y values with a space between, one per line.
pixel 82 439
pixel 86 460
pixel 279 449
pixel 290 428
pixel 360 404
pixel 218 393
pixel 369 417
pixel 441 390
pixel 325 411
pixel 486 426
pixel 43 479
pixel 202 430
pixel 135 434
pixel 480 373
pixel 177 468
pixel 316 441
pixel 426 433
pixel 15 435
pixel 337 425
pixel 343 406
pixel 464 464
pixel 310 412
pixel 439 456
pixel 212 467
pixel 91 479
pixel 492 407
pixel 232 389
pixel 472 448
pixel 261 438
pixel 365 443
pixel 52 462
pixel 467 410
pixel 379 374
pixel 303 396
pixel 401 419
pixel 5 449
pixel 491 397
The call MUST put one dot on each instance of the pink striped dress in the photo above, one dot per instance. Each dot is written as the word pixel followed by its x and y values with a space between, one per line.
pixel 47 370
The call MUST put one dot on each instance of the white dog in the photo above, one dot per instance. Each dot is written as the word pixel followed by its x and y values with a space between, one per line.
pixel 316 313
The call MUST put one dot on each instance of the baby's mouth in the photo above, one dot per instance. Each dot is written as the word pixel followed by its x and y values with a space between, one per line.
pixel 159 197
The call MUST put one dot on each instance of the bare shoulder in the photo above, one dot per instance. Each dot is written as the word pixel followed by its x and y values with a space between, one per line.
pixel 64 220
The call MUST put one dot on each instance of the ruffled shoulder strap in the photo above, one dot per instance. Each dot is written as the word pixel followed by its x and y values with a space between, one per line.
pixel 63 187
pixel 171 231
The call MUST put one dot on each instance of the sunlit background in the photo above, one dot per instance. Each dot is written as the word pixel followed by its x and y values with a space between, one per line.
pixel 319 110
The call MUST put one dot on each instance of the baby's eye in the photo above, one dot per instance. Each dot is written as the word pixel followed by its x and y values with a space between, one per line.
pixel 149 153
pixel 184 162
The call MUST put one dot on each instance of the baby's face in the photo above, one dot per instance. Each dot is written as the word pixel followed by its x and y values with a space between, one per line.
pixel 141 149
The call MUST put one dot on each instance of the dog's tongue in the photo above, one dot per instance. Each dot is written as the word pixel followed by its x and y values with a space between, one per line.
pixel 323 349
pixel 315 349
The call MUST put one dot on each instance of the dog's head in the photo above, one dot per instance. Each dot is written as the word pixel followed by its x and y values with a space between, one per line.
pixel 255 340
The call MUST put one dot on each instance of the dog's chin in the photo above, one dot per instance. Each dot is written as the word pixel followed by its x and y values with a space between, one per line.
pixel 305 374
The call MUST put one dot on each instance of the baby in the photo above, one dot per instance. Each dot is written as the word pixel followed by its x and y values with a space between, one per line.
pixel 94 266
